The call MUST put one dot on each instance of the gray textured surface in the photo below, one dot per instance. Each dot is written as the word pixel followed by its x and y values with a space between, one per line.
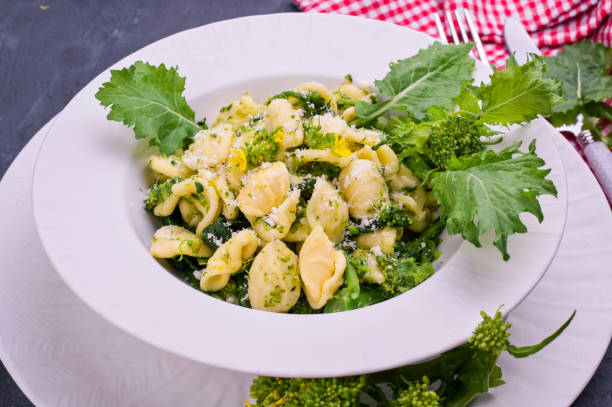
pixel 46 56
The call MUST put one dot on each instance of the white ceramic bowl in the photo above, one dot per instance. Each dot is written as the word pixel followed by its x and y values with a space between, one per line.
pixel 89 183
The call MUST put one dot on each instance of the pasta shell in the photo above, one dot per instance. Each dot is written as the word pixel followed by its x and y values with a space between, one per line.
pixel 274 280
pixel 321 268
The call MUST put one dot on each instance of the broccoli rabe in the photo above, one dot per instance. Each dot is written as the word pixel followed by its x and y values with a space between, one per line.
pixel 402 274
pixel 158 193
pixel 317 169
pixel 343 101
pixel 459 376
pixel 263 147
pixel 236 291
pixel 220 231
pixel 187 266
pixel 423 247
pixel 335 392
pixel 314 138
pixel 390 215
pixel 456 136
pixel 311 103
pixel 306 187
pixel 417 394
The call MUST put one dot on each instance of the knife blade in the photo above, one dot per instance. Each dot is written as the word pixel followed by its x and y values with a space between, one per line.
pixel 598 155
pixel 518 40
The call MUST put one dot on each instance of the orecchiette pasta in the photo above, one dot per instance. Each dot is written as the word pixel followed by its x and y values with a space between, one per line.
pixel 415 202
pixel 239 112
pixel 278 222
pixel 361 136
pixel 227 259
pixel 383 156
pixel 282 114
pixel 326 208
pixel 264 190
pixel 169 166
pixel 363 187
pixel 350 90
pixel 383 239
pixel 299 230
pixel 330 124
pixel 328 156
pixel 374 274
pixel 388 159
pixel 274 279
pixel 210 212
pixel 170 241
pixel 190 214
pixel 317 87
pixel 230 205
pixel 404 179
pixel 166 207
pixel 210 147
pixel 321 268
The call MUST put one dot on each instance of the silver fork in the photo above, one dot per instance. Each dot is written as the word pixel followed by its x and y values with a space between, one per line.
pixel 473 31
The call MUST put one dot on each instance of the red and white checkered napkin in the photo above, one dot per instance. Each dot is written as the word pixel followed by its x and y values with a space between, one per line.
pixel 551 23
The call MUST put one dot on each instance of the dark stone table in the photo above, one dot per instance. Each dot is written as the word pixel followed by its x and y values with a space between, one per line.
pixel 48 54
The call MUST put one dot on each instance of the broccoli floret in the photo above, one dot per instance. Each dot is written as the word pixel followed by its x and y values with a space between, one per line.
pixel 312 103
pixel 457 136
pixel 491 335
pixel 403 274
pixel 263 147
pixel 334 392
pixel 423 247
pixel 302 307
pixel 314 138
pixel 416 395
pixel 158 193
pixel 343 101
pixel 317 169
pixel 390 215
pixel 236 291
pixel 459 374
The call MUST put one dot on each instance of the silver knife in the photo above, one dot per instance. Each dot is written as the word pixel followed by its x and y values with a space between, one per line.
pixel 597 153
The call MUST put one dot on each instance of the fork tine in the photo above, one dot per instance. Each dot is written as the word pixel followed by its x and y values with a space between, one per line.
pixel 476 37
pixel 441 32
pixel 451 25
pixel 464 35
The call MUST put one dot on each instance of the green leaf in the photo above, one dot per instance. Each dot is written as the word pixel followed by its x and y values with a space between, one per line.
pixel 217 233
pixel 344 299
pixel 404 135
pixel 514 95
pixel 581 67
pixel 150 99
pixel 434 76
pixel 524 351
pixel 490 190
pixel 495 378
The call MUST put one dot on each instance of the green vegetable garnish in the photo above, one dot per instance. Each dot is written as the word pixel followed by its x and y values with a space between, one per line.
pixel 584 69
pixel 459 376
pixel 150 99
pixel 490 190
pixel 314 138
pixel 433 77
pixel 263 147
pixel 516 94
pixel 455 137
pixel 158 193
